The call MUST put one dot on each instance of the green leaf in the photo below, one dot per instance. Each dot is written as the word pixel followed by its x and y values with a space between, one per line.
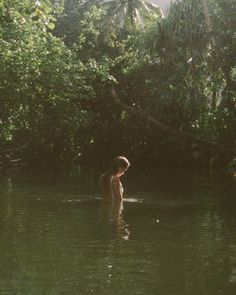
pixel 51 26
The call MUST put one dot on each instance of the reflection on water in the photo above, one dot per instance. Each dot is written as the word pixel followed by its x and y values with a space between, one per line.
pixel 56 238
pixel 111 212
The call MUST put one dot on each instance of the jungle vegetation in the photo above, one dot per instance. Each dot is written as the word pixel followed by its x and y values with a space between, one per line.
pixel 82 81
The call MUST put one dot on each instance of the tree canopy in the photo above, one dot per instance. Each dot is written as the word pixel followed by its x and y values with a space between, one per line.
pixel 61 59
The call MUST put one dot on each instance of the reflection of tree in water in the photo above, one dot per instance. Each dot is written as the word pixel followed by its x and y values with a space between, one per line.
pixel 13 246
pixel 112 212
pixel 211 247
pixel 23 242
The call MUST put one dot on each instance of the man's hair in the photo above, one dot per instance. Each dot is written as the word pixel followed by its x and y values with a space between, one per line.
pixel 116 163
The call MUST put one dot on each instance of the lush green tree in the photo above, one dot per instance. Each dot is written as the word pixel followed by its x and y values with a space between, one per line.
pixel 181 82
pixel 175 78
pixel 169 71
pixel 44 86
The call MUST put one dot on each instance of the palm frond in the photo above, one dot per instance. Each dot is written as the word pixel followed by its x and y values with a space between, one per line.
pixel 121 12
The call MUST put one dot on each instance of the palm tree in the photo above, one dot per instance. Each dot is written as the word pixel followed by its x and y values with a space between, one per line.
pixel 122 12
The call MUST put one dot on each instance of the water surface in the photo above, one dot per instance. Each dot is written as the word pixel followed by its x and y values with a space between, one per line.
pixel 172 236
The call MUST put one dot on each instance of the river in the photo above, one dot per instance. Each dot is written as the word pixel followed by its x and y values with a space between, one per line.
pixel 173 235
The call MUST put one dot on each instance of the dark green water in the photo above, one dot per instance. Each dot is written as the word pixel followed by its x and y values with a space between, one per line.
pixel 176 235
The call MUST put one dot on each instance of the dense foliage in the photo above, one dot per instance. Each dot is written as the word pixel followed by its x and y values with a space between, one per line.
pixel 59 60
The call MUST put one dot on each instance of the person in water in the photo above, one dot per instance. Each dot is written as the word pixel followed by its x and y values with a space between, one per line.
pixel 110 184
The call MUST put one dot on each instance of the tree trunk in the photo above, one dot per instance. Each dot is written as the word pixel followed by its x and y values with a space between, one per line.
pixel 208 20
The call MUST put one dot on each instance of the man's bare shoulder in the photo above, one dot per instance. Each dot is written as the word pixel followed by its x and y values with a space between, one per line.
pixel 115 180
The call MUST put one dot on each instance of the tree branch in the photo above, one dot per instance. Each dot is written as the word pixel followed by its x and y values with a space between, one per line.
pixel 150 119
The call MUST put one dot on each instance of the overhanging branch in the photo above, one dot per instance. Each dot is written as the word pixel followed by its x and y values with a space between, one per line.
pixel 150 119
